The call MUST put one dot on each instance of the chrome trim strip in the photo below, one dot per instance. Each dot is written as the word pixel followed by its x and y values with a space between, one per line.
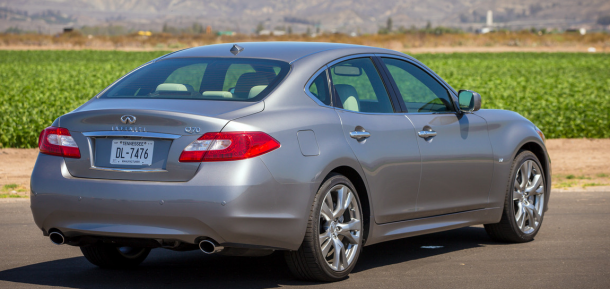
pixel 129 170
pixel 405 57
pixel 131 134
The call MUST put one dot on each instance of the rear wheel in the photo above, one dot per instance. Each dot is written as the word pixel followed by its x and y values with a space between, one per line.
pixel 524 204
pixel 333 239
pixel 113 257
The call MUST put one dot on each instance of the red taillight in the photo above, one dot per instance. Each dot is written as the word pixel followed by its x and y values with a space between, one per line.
pixel 228 146
pixel 57 141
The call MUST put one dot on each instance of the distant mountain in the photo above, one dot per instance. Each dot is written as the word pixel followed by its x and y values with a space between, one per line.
pixel 364 16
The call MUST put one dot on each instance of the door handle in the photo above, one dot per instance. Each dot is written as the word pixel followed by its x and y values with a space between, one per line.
pixel 359 135
pixel 426 133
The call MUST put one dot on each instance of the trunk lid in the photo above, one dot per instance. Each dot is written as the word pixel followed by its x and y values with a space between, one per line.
pixel 106 133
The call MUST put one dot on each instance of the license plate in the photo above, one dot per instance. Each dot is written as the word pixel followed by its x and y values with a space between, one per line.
pixel 131 152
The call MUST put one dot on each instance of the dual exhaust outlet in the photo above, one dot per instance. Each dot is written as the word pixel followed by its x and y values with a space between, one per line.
pixel 210 247
pixel 206 246
pixel 57 238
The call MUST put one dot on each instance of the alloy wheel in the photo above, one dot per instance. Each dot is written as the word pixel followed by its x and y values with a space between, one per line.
pixel 340 227
pixel 528 196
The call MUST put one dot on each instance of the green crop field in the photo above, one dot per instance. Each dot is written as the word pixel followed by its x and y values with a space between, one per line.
pixel 566 94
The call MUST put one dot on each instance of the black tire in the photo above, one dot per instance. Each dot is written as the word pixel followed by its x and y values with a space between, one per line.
pixel 507 230
pixel 111 257
pixel 308 262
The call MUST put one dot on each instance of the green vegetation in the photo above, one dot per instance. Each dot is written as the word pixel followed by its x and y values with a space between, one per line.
pixel 584 186
pixel 9 187
pixel 12 191
pixel 602 175
pixel 564 185
pixel 572 177
pixel 39 86
pixel 7 196
pixel 565 94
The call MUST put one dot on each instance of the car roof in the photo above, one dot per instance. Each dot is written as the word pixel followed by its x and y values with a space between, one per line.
pixel 284 51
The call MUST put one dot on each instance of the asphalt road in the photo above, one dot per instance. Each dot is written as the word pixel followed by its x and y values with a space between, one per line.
pixel 572 250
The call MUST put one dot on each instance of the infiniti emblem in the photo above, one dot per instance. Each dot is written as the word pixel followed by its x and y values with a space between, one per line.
pixel 128 119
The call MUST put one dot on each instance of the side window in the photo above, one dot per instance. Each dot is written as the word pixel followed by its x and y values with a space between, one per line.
pixel 420 92
pixel 188 75
pixel 359 86
pixel 319 88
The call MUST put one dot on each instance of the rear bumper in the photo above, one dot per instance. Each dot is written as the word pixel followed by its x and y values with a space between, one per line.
pixel 235 203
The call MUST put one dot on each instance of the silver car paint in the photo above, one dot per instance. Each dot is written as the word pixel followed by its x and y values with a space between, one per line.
pixel 266 201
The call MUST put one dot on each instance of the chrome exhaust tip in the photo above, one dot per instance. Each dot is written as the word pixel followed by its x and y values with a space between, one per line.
pixel 57 238
pixel 210 247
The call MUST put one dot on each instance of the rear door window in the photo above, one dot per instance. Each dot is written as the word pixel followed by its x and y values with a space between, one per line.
pixel 359 86
pixel 202 78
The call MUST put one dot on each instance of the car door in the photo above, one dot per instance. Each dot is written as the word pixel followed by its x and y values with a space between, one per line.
pixel 457 160
pixel 383 141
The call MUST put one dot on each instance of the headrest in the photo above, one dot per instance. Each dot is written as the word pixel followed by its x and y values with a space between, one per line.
pixel 256 90
pixel 351 104
pixel 247 81
pixel 348 96
pixel 174 87
pixel 220 94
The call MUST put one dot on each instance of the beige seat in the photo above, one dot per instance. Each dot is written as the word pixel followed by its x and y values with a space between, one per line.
pixel 171 87
pixel 348 96
pixel 254 91
pixel 247 81
pixel 219 94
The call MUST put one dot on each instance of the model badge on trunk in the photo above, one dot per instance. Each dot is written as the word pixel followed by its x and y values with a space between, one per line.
pixel 192 129
pixel 129 128
pixel 128 119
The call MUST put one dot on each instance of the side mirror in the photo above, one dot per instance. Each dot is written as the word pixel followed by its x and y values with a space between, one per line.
pixel 469 100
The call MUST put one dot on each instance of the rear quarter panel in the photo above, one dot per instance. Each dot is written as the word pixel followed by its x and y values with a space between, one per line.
pixel 287 111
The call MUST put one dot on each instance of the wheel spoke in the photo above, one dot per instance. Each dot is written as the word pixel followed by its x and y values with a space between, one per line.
pixel 533 214
pixel 340 259
pixel 324 236
pixel 520 217
pixel 341 196
pixel 530 216
pixel 326 212
pixel 539 190
pixel 517 195
pixel 352 225
pixel 351 238
pixel 536 182
pixel 327 246
pixel 523 177
pixel 517 185
pixel 348 200
pixel 528 169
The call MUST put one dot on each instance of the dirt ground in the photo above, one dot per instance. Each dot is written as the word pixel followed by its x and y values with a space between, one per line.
pixel 576 164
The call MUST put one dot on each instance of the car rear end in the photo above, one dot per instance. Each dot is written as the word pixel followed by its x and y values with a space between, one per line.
pixel 147 162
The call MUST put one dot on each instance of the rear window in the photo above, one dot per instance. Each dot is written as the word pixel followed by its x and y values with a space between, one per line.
pixel 202 78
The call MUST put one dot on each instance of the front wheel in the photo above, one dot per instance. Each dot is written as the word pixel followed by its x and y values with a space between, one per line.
pixel 113 257
pixel 524 204
pixel 333 239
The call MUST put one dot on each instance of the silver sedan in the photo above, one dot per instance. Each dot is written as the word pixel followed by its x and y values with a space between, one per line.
pixel 314 149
